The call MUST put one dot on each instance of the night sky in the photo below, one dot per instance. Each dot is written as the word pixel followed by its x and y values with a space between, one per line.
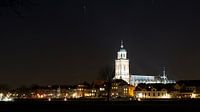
pixel 70 41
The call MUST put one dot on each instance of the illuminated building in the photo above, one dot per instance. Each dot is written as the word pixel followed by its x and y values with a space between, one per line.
pixel 121 88
pixel 100 87
pixel 122 65
pixel 151 91
pixel 126 90
pixel 6 97
pixel 122 71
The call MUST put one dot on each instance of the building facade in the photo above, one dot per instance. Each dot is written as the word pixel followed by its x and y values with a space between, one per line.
pixel 154 91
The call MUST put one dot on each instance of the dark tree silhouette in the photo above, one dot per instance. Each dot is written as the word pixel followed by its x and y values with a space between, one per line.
pixel 107 74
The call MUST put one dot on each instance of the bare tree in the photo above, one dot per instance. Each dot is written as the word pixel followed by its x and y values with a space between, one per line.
pixel 107 74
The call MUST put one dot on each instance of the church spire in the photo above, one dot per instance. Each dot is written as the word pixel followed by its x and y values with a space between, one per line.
pixel 122 46
pixel 164 74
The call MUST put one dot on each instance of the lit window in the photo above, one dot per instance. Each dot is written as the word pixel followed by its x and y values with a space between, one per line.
pixel 93 91
pixel 102 89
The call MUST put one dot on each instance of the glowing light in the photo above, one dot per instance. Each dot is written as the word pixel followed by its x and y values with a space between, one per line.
pixel 88 94
pixel 1 95
pixel 139 99
pixel 49 99
pixel 193 95
pixel 66 95
pixel 93 91
pixel 51 94
pixel 140 95
pixel 7 99
pixel 102 89
pixel 167 96
pixel 131 93
pixel 75 95
pixel 41 96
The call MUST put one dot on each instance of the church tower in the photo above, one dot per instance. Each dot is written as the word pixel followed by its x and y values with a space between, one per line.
pixel 122 65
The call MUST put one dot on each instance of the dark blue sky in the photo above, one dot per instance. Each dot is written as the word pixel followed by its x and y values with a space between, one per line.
pixel 61 42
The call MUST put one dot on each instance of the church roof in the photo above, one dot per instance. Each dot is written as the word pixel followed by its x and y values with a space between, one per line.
pixel 119 81
pixel 158 87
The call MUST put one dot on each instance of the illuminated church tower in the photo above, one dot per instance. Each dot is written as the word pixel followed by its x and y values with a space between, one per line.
pixel 122 65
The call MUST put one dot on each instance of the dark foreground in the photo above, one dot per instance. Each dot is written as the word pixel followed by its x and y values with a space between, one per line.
pixel 101 106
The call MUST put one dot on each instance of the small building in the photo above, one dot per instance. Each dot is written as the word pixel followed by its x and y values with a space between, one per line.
pixel 126 90
pixel 154 91
pixel 80 90
pixel 188 89
pixel 101 88
pixel 121 88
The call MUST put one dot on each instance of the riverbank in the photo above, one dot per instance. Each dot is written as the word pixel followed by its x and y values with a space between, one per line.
pixel 189 105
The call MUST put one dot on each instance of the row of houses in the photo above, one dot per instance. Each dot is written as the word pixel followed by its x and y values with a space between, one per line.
pixel 98 89
pixel 182 89
pixel 118 89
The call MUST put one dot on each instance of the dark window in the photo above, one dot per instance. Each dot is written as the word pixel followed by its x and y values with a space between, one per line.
pixel 154 94
pixel 145 94
pixel 149 94
pixel 158 94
